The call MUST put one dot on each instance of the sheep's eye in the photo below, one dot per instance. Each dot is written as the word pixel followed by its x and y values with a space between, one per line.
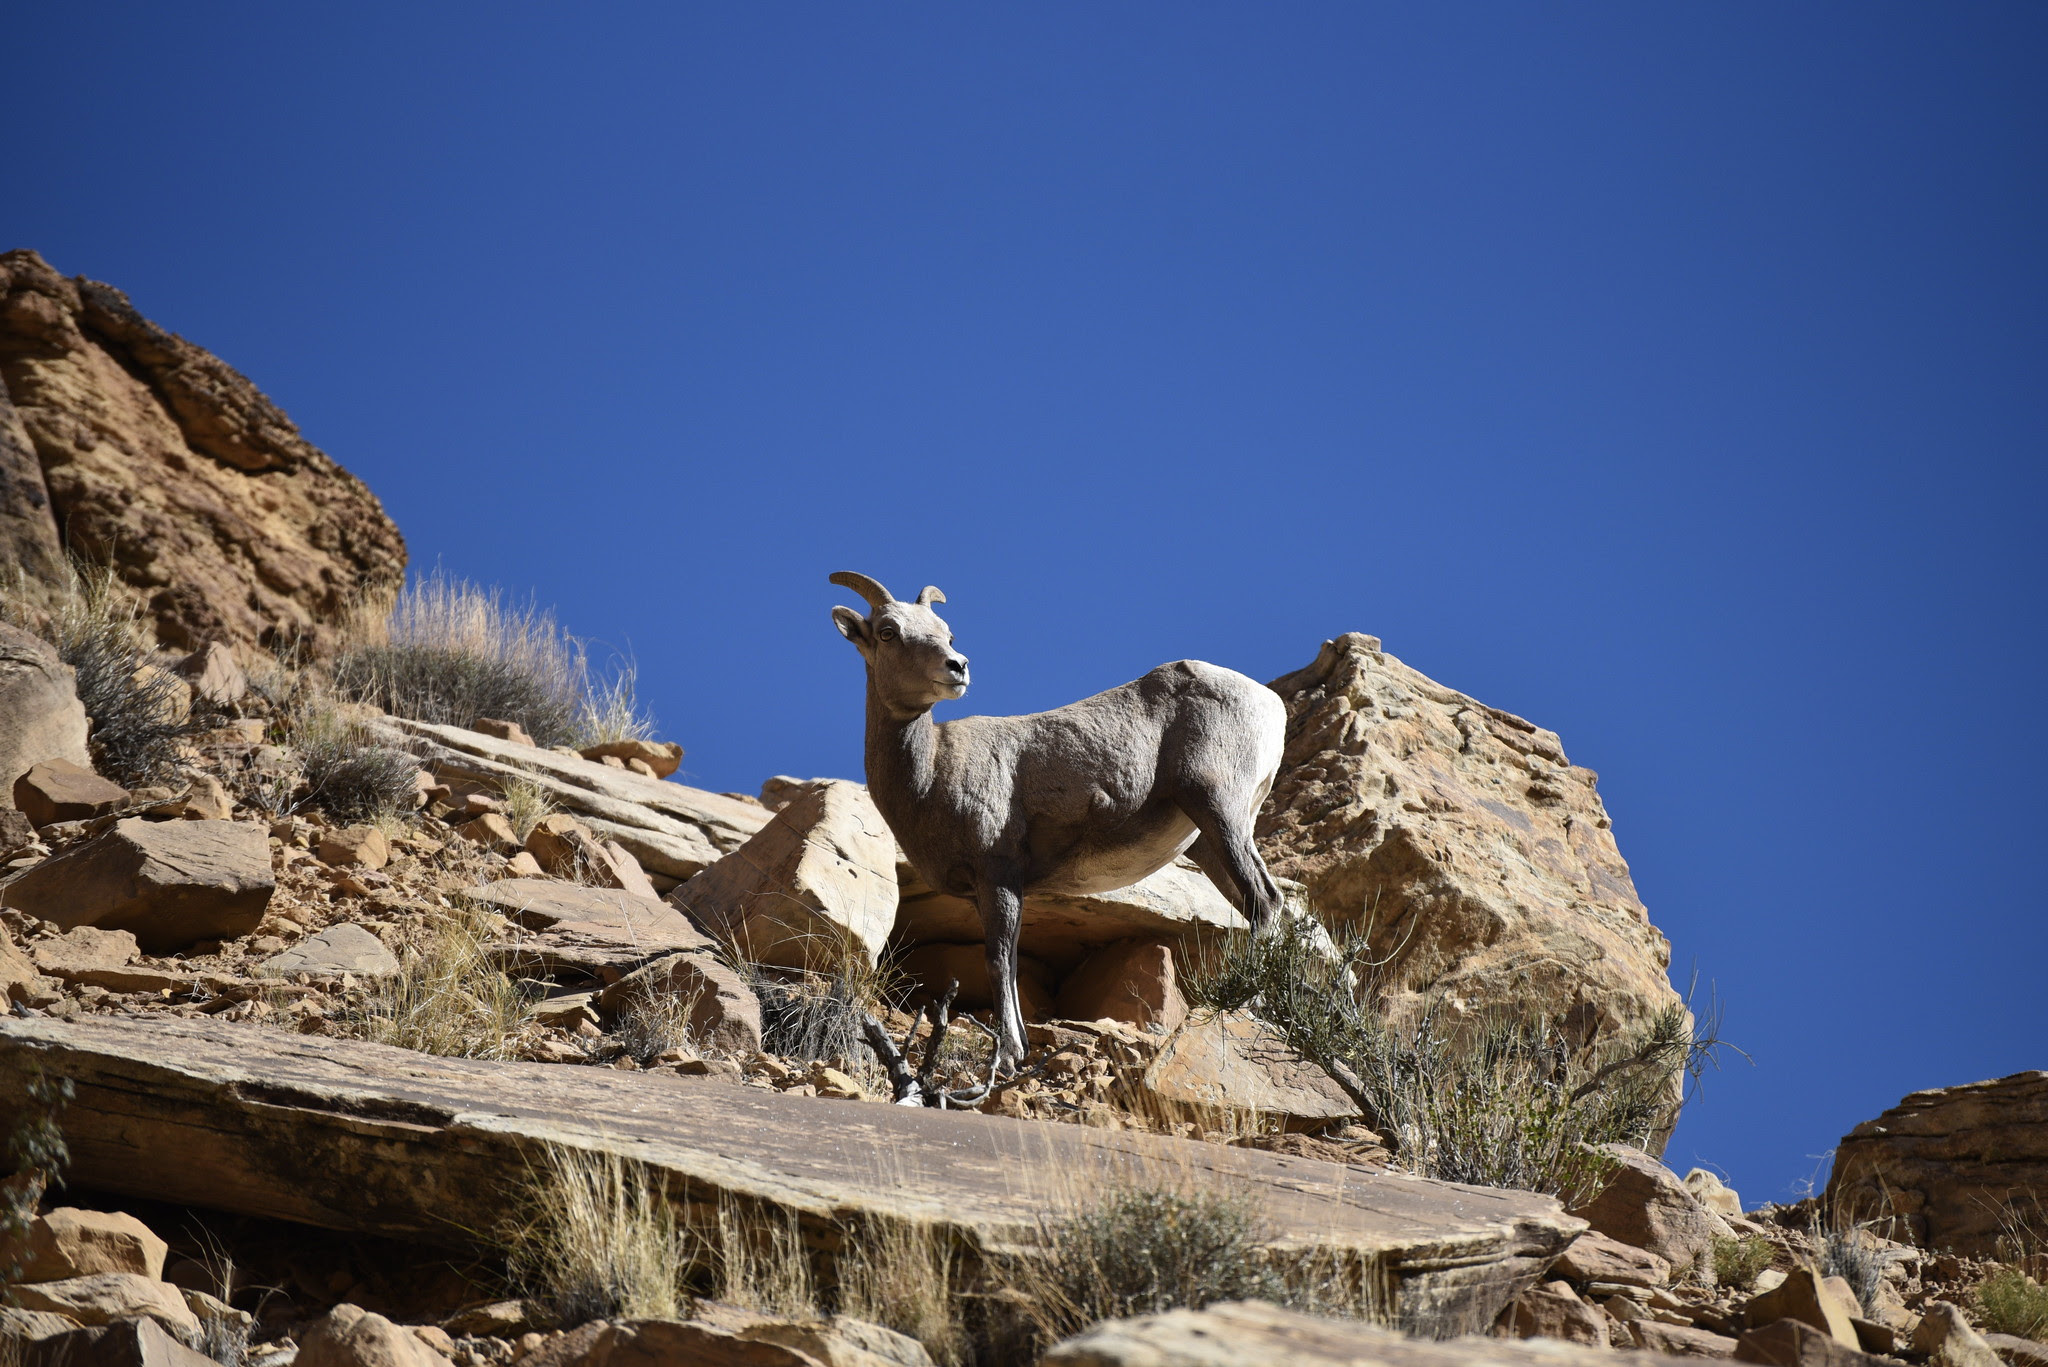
pixel 887 633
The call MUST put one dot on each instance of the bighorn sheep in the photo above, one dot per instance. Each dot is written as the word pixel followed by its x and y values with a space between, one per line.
pixel 1085 798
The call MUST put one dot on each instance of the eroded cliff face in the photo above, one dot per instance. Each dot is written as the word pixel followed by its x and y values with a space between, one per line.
pixel 128 445
pixel 1480 856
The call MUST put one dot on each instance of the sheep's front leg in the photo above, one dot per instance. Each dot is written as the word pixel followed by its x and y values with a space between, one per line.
pixel 1002 919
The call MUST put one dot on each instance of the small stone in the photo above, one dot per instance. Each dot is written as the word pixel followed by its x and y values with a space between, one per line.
pixel 345 948
pixel 657 759
pixel 215 675
pixel 1553 1311
pixel 348 1336
pixel 1946 1339
pixel 502 730
pixel 524 865
pixel 492 831
pixel 208 800
pixel 1805 1297
pixel 358 847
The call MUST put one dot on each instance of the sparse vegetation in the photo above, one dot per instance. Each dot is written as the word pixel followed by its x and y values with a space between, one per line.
pixel 1739 1262
pixel 653 1022
pixel 452 651
pixel 1852 1253
pixel 448 997
pixel 594 1239
pixel 348 774
pixel 611 711
pixel 2011 1302
pixel 1488 1100
pixel 139 712
pixel 35 1155
pixel 817 1015
pixel 904 1277
pixel 526 804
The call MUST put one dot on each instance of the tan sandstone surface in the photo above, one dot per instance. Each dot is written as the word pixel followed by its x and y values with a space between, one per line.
pixel 1481 857
pixel 132 446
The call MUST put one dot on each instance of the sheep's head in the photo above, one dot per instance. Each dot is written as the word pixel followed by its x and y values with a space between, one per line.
pixel 909 650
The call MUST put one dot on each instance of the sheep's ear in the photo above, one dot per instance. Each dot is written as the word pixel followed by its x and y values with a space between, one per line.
pixel 853 627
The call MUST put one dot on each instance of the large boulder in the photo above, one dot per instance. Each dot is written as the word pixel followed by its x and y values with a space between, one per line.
pixel 1132 980
pixel 817 881
pixel 41 718
pixel 58 790
pixel 68 1242
pixel 725 1015
pixel 160 460
pixel 1237 1064
pixel 349 1336
pixel 1942 1165
pixel 1480 857
pixel 122 1343
pixel 169 883
pixel 1255 1334
pixel 103 1297
pixel 1644 1205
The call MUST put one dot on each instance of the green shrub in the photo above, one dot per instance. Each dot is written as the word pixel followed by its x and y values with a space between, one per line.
pixel 2011 1302
pixel 1494 1101
pixel 1739 1262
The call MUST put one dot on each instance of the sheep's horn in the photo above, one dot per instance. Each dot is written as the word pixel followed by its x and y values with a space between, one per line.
pixel 865 587
pixel 930 595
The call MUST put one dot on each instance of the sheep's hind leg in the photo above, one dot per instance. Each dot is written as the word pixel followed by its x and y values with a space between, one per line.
pixel 1225 852
pixel 1002 921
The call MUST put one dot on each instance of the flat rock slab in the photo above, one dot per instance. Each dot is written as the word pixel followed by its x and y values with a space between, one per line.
pixel 673 830
pixel 364 1137
pixel 346 948
pixel 1255 1334
pixel 603 932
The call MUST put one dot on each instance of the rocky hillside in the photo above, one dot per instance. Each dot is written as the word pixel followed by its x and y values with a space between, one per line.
pixel 341 1038
pixel 130 446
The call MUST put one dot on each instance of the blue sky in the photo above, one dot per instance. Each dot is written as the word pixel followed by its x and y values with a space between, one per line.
pixel 1669 375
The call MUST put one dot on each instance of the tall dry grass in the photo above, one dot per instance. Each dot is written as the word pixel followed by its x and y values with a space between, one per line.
pixel 452 651
pixel 594 1238
pixel 448 997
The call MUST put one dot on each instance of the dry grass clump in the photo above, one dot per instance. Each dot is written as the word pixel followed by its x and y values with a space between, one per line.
pixel 447 997
pixel 904 1276
pixel 1739 1262
pixel 139 713
pixel 1492 1101
pixel 594 1239
pixel 525 805
pixel 818 1014
pixel 611 712
pixel 761 1261
pixel 452 651
pixel 347 773
pixel 653 1022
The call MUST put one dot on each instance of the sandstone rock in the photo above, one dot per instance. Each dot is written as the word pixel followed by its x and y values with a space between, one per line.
pixel 1255 1334
pixel 725 1015
pixel 170 883
pixel 673 830
pixel 524 865
pixel 818 881
pixel 1946 1339
pixel 1714 1194
pixel 17 833
pixel 1237 1063
pixel 1805 1296
pixel 215 675
pixel 1942 1163
pixel 491 831
pixel 173 696
pixel 123 1343
pixel 68 1242
pixel 1480 856
pixel 1593 1257
pixel 153 456
pixel 661 757
pixel 345 948
pixel 1133 981
pixel 208 800
pixel 931 967
pixel 58 790
pixel 1790 1343
pixel 18 975
pixel 20 1328
pixel 41 718
pixel 101 1297
pixel 1679 1340
pixel 349 1336
pixel 602 932
pixel 82 950
pixel 354 847
pixel 670 1343
pixel 1061 931
pixel 501 730
pixel 565 847
pixel 357 1136
pixel 1645 1206
pixel 549 842
pixel 1554 1311
pixel 2018 1352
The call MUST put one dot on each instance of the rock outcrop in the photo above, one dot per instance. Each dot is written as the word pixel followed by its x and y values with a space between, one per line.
pixel 126 444
pixel 364 1137
pixel 169 883
pixel 1479 855
pixel 1943 1164
pixel 41 718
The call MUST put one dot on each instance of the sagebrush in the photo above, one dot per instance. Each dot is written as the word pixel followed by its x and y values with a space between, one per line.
pixel 1492 1100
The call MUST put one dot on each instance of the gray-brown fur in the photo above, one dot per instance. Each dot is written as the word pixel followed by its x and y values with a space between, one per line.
pixel 1084 798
